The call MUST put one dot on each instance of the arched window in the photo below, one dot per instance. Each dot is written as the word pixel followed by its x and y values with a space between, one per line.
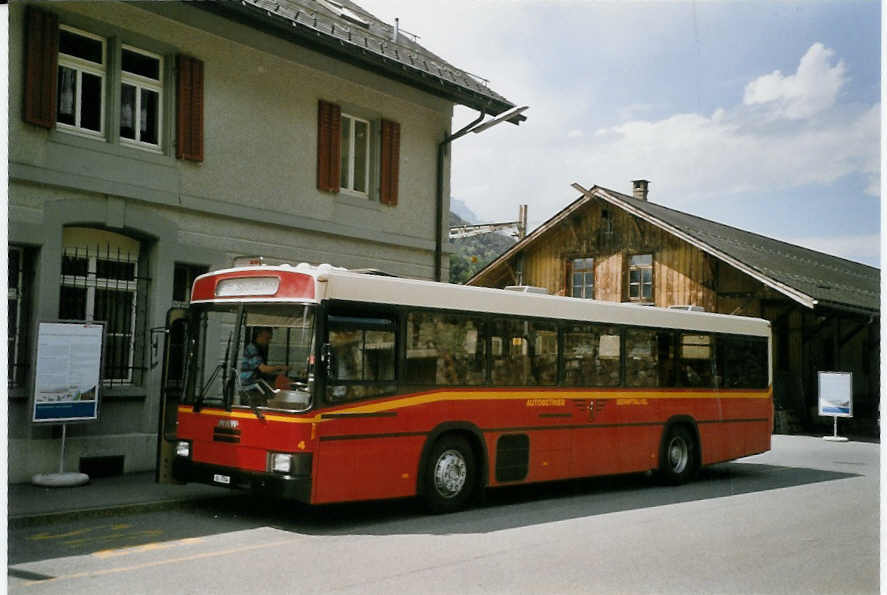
pixel 101 282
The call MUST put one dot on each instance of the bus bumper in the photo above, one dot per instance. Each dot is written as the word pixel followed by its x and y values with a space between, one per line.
pixel 290 487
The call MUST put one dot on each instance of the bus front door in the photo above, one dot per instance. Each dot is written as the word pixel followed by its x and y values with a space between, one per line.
pixel 171 387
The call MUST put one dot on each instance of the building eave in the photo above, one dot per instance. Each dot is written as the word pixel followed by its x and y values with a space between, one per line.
pixel 802 298
pixel 253 16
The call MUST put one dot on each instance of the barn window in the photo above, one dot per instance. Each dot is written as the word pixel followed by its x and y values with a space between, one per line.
pixel 583 278
pixel 640 278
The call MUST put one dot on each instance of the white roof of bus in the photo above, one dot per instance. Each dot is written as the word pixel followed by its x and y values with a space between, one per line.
pixel 335 283
pixel 344 285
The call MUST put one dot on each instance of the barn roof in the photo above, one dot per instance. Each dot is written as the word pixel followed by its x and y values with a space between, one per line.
pixel 808 277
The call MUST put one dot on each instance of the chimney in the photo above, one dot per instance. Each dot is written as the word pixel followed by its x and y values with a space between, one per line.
pixel 640 188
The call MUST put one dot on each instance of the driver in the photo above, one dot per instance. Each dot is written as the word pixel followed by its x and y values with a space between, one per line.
pixel 253 367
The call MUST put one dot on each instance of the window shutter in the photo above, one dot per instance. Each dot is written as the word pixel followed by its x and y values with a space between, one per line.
pixel 390 159
pixel 41 68
pixel 189 121
pixel 329 139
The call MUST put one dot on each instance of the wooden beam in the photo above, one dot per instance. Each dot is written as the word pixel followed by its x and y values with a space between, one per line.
pixel 853 332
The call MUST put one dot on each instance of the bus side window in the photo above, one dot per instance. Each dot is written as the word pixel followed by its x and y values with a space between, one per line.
pixel 696 361
pixel 743 362
pixel 363 358
pixel 591 355
pixel 444 349
pixel 641 358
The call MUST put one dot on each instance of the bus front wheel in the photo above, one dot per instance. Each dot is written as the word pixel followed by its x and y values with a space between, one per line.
pixel 450 475
pixel 678 459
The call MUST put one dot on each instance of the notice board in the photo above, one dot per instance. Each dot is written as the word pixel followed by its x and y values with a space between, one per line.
pixel 68 372
pixel 836 394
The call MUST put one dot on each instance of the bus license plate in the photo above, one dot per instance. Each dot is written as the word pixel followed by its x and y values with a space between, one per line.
pixel 221 479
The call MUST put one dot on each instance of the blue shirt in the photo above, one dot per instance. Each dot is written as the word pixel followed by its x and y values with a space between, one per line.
pixel 249 367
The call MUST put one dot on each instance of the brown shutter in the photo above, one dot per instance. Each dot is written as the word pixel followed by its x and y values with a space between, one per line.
pixel 390 159
pixel 41 68
pixel 189 121
pixel 329 140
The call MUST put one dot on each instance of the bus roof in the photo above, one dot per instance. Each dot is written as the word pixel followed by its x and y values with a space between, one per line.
pixel 333 283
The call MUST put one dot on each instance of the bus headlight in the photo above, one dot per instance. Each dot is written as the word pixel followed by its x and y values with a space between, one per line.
pixel 290 463
pixel 183 448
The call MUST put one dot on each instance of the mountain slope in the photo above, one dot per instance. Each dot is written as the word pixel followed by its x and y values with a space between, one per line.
pixel 472 254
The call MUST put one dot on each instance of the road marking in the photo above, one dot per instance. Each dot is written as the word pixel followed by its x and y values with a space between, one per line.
pixel 193 557
pixel 134 535
pixel 44 535
pixel 135 549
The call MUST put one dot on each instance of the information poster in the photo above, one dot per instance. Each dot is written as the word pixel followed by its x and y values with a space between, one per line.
pixel 835 394
pixel 69 363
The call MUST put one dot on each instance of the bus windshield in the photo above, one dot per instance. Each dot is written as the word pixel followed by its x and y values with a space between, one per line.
pixel 253 355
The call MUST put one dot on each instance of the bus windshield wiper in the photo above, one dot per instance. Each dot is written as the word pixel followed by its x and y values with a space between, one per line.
pixel 198 402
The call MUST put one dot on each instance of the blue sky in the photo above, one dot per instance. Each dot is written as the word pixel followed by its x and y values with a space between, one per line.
pixel 762 115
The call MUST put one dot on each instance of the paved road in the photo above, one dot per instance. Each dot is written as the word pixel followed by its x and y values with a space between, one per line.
pixel 800 519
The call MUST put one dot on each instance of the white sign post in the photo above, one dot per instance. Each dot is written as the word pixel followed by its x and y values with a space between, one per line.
pixel 835 399
pixel 66 384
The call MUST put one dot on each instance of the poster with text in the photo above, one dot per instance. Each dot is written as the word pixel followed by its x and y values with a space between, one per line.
pixel 836 394
pixel 68 375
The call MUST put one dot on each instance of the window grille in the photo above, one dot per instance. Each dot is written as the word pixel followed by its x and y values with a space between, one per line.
pixel 106 284
pixel 16 336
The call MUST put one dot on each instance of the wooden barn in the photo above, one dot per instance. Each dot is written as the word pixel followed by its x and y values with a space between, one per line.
pixel 824 310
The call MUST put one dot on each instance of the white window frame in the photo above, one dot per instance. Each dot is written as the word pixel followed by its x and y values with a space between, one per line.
pixel 349 186
pixel 142 82
pixel 93 282
pixel 79 65
pixel 13 343
pixel 640 268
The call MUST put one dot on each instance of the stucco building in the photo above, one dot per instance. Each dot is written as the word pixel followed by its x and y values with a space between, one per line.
pixel 151 142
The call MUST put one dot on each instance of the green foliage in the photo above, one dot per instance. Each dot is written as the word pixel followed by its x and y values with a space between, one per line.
pixel 472 254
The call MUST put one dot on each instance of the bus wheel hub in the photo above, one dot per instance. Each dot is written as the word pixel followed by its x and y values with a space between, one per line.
pixel 450 473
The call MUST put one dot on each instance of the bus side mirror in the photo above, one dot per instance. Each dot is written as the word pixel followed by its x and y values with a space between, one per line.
pixel 329 361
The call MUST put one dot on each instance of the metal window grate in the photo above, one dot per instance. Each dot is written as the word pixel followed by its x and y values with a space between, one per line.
pixel 106 284
pixel 16 335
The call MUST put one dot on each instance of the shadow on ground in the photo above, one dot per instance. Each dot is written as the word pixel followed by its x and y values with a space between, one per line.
pixel 524 505
pixel 503 508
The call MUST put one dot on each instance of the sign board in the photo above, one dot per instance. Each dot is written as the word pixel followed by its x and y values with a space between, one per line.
pixel 68 372
pixel 836 394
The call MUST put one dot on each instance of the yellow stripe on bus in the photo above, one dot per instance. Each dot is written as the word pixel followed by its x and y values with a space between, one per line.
pixel 509 395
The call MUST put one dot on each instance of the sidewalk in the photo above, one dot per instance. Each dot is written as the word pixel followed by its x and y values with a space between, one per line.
pixel 132 492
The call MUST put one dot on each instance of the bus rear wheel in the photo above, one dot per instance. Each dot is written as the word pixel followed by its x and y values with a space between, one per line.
pixel 450 475
pixel 678 459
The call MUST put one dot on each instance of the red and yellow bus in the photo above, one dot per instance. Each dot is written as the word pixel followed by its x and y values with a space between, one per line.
pixel 327 385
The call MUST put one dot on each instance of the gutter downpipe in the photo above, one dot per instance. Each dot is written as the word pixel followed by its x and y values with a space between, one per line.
pixel 439 214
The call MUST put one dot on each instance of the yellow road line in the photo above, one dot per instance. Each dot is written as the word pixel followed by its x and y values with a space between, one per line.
pixel 156 563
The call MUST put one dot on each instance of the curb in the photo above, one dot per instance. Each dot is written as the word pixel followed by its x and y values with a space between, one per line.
pixel 45 518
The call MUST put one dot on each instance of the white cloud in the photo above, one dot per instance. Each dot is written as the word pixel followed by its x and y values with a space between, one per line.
pixel 690 155
pixel 747 147
pixel 812 89
pixel 795 127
